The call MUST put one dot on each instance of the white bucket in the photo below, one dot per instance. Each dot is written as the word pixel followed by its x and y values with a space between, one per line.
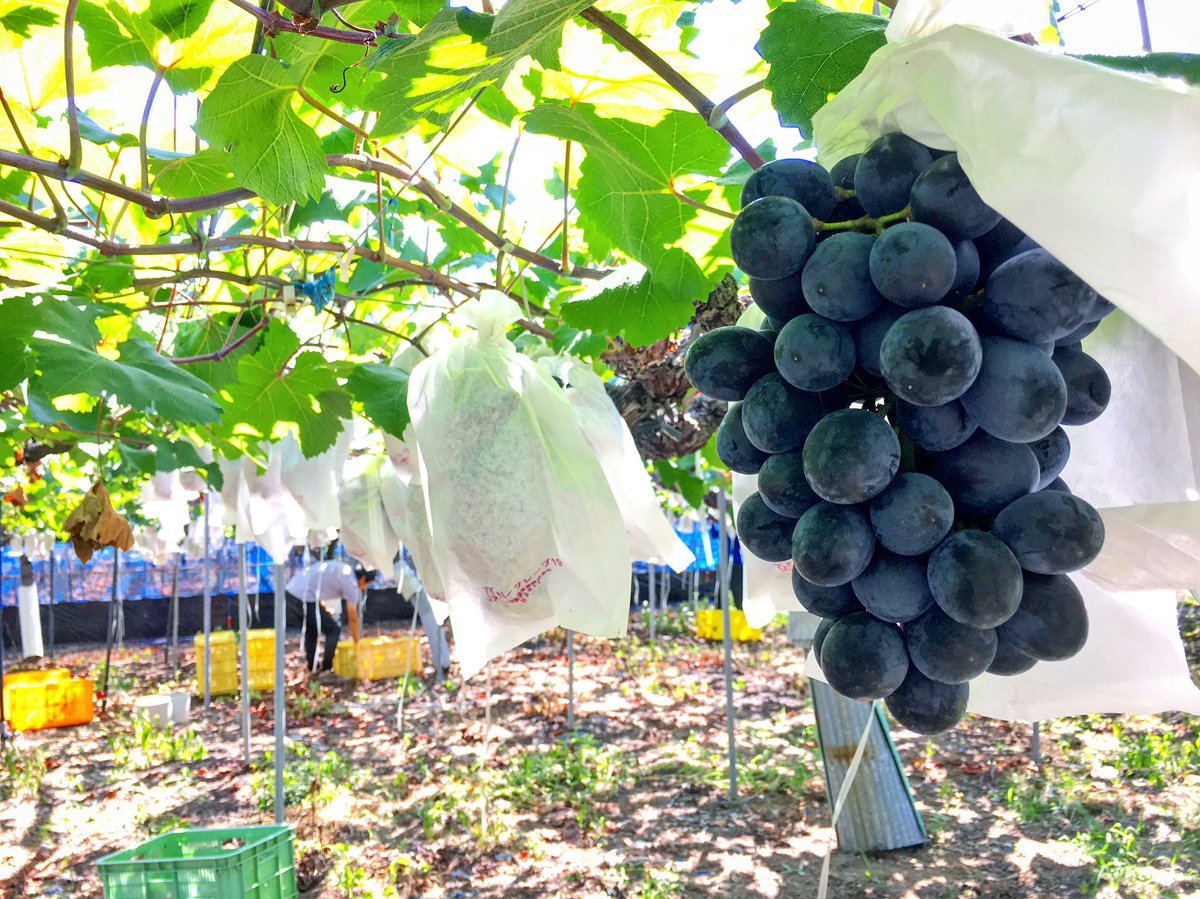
pixel 181 707
pixel 155 709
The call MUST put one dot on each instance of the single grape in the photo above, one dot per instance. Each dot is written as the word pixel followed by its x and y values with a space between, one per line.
pixel 927 707
pixel 850 456
pixel 942 196
pixel 1052 621
pixel 912 515
pixel 1100 309
pixel 819 636
pixel 1035 297
pixel 863 657
pixel 975 579
pixel 734 447
pixel 769 331
pixel 777 417
pixel 813 353
pixel 886 171
pixel 765 533
pixel 1009 660
pixel 842 173
pixel 913 265
pixel 893 588
pixel 869 333
pixel 782 299
pixel 837 279
pixel 772 238
pixel 931 356
pixel 1076 337
pixel 1057 484
pixel 985 474
pixel 999 245
pixel 832 544
pixel 945 650
pixel 1088 386
pixel 1052 453
pixel 1019 394
pixel 1051 532
pixel 966 272
pixel 808 183
pixel 935 428
pixel 724 363
pixel 828 602
pixel 782 486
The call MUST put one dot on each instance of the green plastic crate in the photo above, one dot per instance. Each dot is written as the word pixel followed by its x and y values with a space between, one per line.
pixel 229 863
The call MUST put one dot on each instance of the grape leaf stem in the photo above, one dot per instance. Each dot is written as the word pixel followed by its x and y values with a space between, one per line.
pixel 75 153
pixel 675 80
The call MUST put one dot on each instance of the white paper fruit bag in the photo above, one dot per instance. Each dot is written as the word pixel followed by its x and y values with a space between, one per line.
pixel 367 533
pixel 650 535
pixel 411 522
pixel 524 528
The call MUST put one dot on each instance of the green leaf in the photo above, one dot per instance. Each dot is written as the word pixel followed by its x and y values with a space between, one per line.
pixel 14 366
pixel 23 21
pixel 178 19
pixel 141 378
pixel 89 130
pixel 457 53
pixel 140 461
pixel 58 319
pixel 1164 65
pixel 170 455
pixel 268 399
pixel 200 337
pixel 814 52
pixel 271 151
pixel 115 37
pixel 383 392
pixel 624 194
pixel 207 172
pixel 647 310
pixel 43 412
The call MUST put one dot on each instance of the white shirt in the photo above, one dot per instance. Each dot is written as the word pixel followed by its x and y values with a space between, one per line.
pixel 324 580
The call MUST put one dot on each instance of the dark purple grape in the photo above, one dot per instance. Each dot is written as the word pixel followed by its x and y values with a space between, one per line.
pixel 912 515
pixel 828 602
pixel 886 171
pixel 850 456
pixel 893 588
pixel 975 579
pixel 1052 621
pixel 832 544
pixel 913 265
pixel 772 238
pixel 764 532
pixel 726 362
pixel 942 196
pixel 1019 394
pixel 945 650
pixel 734 447
pixel 863 657
pixel 927 707
pixel 1051 532
pixel 806 182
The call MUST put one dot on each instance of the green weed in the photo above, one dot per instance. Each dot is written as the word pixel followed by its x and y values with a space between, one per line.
pixel 24 772
pixel 1116 858
pixel 1158 758
pixel 307 778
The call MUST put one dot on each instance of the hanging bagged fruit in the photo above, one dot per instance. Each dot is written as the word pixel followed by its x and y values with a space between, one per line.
pixel 524 529
pixel 651 537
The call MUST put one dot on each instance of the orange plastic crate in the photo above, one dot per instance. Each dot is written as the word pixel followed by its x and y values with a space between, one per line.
pixel 52 703
pixel 18 678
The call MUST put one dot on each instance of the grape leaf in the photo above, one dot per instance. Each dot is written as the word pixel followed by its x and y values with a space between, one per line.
pixel 23 21
pixel 383 392
pixel 648 309
pixel 272 151
pixel 624 194
pixel 202 336
pixel 141 378
pixel 814 52
pixel 178 19
pixel 267 399
pixel 1164 65
pixel 207 172
pixel 115 38
pixel 457 53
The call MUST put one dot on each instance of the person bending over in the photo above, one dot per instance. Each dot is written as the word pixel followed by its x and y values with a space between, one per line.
pixel 312 588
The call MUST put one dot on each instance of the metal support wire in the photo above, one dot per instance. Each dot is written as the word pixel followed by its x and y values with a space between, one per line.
pixel 280 692
pixel 728 645
pixel 650 582
pixel 244 644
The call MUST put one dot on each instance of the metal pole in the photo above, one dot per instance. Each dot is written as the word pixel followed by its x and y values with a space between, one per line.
pixel 207 600
pixel 728 643
pixel 50 610
pixel 3 726
pixel 119 592
pixel 653 601
pixel 244 643
pixel 1141 8
pixel 280 702
pixel 570 681
pixel 173 651
pixel 112 624
pixel 695 589
pixel 1035 747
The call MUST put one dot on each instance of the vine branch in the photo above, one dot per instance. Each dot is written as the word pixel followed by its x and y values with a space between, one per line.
pixel 273 23
pixel 75 154
pixel 681 85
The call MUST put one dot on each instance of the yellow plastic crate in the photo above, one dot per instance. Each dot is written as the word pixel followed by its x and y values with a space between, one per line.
pixel 222 647
pixel 378 658
pixel 58 702
pixel 19 678
pixel 260 646
pixel 710 626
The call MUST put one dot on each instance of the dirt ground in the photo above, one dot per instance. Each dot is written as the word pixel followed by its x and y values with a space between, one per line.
pixel 454 801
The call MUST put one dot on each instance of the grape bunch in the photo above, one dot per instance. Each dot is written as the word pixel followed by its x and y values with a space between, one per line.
pixel 903 407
